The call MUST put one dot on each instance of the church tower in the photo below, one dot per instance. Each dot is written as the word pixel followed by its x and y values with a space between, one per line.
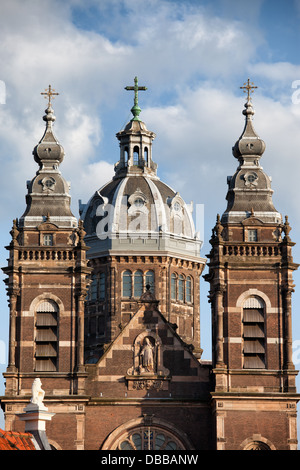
pixel 46 283
pixel 140 235
pixel 251 284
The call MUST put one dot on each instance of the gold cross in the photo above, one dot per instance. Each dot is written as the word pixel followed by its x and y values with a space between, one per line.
pixel 50 92
pixel 248 88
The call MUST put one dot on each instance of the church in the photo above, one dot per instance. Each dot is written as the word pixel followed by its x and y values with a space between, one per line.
pixel 105 309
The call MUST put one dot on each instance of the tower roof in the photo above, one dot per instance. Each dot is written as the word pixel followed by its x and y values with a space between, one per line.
pixel 48 193
pixel 249 189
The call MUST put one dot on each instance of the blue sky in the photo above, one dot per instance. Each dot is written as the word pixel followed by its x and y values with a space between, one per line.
pixel 193 56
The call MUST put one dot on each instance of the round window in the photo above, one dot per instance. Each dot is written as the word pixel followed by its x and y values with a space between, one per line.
pixel 49 183
pixel 251 178
pixel 149 438
pixel 139 202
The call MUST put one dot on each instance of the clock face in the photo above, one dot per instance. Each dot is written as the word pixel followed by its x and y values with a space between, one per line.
pixel 251 178
pixel 49 183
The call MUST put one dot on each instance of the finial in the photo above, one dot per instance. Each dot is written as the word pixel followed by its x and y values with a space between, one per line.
pixel 286 229
pixel 50 92
pixel 49 117
pixel 81 233
pixel 136 109
pixel 14 233
pixel 248 88
pixel 219 228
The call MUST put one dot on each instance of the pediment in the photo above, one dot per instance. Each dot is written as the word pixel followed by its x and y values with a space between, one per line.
pixel 148 352
pixel 251 221
pixel 47 226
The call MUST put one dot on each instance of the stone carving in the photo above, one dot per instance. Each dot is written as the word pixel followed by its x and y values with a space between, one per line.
pixel 148 384
pixel 37 393
pixel 147 356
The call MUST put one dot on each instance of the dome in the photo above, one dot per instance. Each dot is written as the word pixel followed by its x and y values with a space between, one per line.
pixel 135 211
pixel 137 206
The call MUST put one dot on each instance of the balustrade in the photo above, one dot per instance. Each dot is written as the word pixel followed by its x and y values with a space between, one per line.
pixel 47 254
pixel 252 250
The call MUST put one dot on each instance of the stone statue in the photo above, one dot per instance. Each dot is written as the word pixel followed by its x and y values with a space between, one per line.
pixel 147 356
pixel 37 393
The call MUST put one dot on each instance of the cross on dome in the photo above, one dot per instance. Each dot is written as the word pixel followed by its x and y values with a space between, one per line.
pixel 50 92
pixel 136 109
pixel 248 88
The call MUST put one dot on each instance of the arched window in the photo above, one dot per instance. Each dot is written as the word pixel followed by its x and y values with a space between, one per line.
pixel 102 286
pixel 126 156
pixel 181 288
pixel 173 286
pixel 146 156
pixel 254 333
pixel 149 438
pixel 188 289
pixel 150 281
pixel 127 283
pixel 138 284
pixel 136 155
pixel 46 341
pixel 93 294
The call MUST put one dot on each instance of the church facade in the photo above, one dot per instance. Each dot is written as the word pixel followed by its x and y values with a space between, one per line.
pixel 105 310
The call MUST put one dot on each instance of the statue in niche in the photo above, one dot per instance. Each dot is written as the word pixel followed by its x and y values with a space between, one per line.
pixel 147 356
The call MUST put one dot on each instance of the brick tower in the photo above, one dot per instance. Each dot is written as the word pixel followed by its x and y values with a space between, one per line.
pixel 251 283
pixel 46 284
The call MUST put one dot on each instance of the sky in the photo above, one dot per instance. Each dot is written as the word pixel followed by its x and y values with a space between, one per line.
pixel 193 56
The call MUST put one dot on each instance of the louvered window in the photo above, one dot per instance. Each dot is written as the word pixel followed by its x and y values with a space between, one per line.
pixel 254 334
pixel 46 341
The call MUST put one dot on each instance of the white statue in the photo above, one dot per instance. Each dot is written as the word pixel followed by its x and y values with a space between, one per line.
pixel 37 393
pixel 147 356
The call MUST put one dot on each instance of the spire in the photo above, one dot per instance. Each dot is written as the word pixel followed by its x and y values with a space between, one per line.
pixel 49 153
pixel 249 189
pixel 48 196
pixel 136 110
pixel 249 147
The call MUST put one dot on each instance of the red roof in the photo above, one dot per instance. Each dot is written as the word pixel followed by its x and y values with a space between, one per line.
pixel 10 440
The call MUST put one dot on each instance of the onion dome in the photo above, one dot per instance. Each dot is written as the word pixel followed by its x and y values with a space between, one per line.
pixel 249 145
pixel 249 189
pixel 135 210
pixel 48 152
pixel 48 195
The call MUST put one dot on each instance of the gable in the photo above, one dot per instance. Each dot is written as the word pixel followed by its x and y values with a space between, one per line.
pixel 149 355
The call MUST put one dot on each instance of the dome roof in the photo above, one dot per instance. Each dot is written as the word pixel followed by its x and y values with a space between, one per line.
pixel 135 211
pixel 137 205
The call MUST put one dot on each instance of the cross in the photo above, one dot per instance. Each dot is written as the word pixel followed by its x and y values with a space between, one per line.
pixel 248 88
pixel 50 92
pixel 136 109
